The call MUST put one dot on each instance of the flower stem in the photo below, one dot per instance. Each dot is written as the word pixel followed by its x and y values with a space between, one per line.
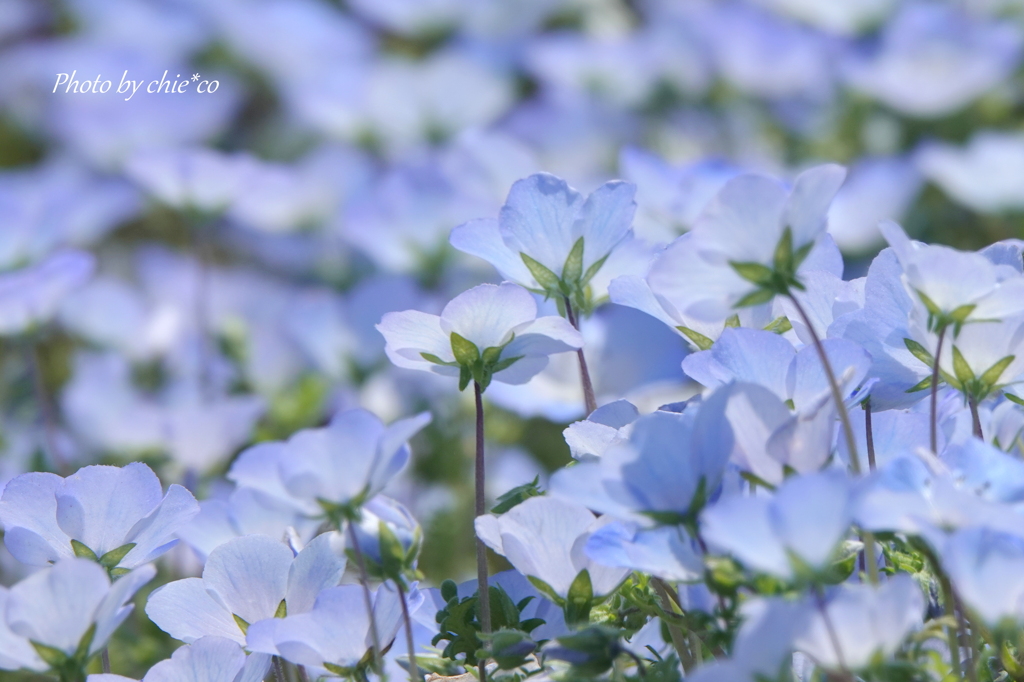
pixel 278 670
pixel 819 598
pixel 934 432
pixel 975 419
pixel 870 434
pixel 844 418
pixel 414 669
pixel 46 411
pixel 483 590
pixel 971 664
pixel 105 660
pixel 674 631
pixel 364 580
pixel 588 386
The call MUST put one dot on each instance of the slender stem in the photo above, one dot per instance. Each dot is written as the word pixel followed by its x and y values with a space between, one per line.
pixel 934 432
pixel 278 670
pixel 483 590
pixel 975 419
pixel 819 598
pixel 105 660
pixel 837 396
pixel 870 433
pixel 46 410
pixel 971 664
pixel 588 386
pixel 674 631
pixel 414 669
pixel 949 606
pixel 301 669
pixel 639 663
pixel 364 580
pixel 844 417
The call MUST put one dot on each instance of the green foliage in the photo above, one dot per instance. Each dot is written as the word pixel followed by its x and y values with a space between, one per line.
pixel 459 625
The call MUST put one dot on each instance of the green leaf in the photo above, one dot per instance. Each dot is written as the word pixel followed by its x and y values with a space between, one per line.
pixel 545 589
pixel 241 623
pixel 579 600
pixel 696 338
pixel 783 258
pixel 466 352
pixel 755 297
pixel 547 279
pixel 921 385
pixel 116 573
pixel 449 590
pixel 572 271
pixel 593 270
pixel 114 556
pixel 755 480
pixel 919 352
pixel 755 273
pixel 1014 399
pixel 465 376
pixel 430 357
pixel 53 657
pixel 959 315
pixel 929 304
pixel 801 255
pixel 392 554
pixel 83 552
pixel 961 369
pixel 84 644
pixel 282 610
pixel 732 321
pixel 991 375
pixel 780 325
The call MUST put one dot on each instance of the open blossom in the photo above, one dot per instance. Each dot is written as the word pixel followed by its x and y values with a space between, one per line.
pixel 488 332
pixel 548 237
pixel 32 295
pixel 117 516
pixel 209 659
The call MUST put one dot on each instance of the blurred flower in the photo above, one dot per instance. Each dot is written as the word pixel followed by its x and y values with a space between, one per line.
pixel 31 296
pixel 985 175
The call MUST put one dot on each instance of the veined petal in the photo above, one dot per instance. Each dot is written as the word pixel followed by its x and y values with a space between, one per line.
pixel 409 334
pixel 249 575
pixel 185 610
pixel 604 220
pixel 482 238
pixel 544 336
pixel 806 209
pixel 538 218
pixel 488 314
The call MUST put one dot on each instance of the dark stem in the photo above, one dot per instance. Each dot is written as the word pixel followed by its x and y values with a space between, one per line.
pixel 639 663
pixel 483 590
pixel 934 432
pixel 105 660
pixel 588 387
pixel 966 641
pixel 47 411
pixel 414 669
pixel 364 580
pixel 303 677
pixel 975 418
pixel 870 433
pixel 674 631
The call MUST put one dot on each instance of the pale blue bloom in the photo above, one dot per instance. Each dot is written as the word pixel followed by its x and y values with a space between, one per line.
pixel 933 59
pixel 987 570
pixel 31 296
pixel 345 463
pixel 247 580
pixel 868 622
pixel 878 188
pixel 382 510
pixel 544 219
pixel 104 508
pixel 895 433
pixel 490 317
pixel 57 606
pixel 669 466
pixel 16 652
pixel 985 175
pixel 844 18
pixel 804 521
pixel 208 659
pixel 744 224
pixel 667 552
pixel 335 631
pixel 194 179
pixel 544 538
pixel 603 428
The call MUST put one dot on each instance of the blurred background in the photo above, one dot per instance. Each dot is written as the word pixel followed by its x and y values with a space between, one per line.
pixel 346 138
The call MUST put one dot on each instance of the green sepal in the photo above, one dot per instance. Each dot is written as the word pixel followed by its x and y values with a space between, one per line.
pixel 466 352
pixel 925 383
pixel 491 354
pixel 83 552
pixel 572 271
pixel 392 554
pixel 52 656
pixel 929 304
pixel 755 273
pixel 800 255
pixel 282 610
pixel 465 376
pixel 755 297
pixel 961 369
pixel 919 352
pixel 780 325
pixel 545 589
pixel 1014 399
pixel 516 495
pixel 990 377
pixel 241 623
pixel 753 479
pixel 579 600
pixel 119 572
pixel 594 268
pixel 114 556
pixel 732 321
pixel 959 315
pixel 430 357
pixel 84 644
pixel 696 338
pixel 783 257
pixel 547 279
pixel 505 364
pixel 339 670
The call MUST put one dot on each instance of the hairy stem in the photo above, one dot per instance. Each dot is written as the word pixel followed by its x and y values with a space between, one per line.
pixel 105 660
pixel 975 419
pixel 934 428
pixel 483 590
pixel 279 675
pixel 414 669
pixel 364 580
pixel 870 434
pixel 971 664
pixel 588 386
pixel 674 631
